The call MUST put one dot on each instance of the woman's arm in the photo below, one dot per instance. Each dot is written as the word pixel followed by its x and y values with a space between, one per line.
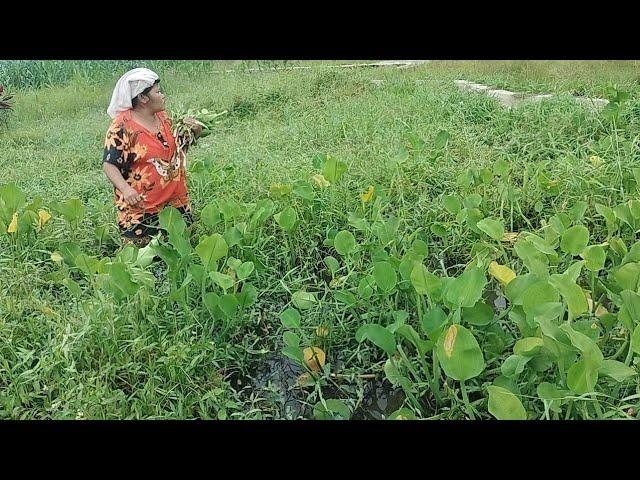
pixel 130 195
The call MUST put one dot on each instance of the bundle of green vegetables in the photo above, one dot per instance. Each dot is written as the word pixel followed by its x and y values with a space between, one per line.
pixel 184 120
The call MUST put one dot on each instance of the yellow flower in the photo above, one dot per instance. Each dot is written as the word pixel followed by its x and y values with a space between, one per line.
pixel 320 180
pixel 13 226
pixel 366 197
pixel 43 217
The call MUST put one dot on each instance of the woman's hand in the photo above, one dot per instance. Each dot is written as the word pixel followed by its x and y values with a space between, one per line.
pixel 194 125
pixel 131 196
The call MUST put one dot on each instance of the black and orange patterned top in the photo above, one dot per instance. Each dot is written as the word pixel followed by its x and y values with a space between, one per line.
pixel 149 163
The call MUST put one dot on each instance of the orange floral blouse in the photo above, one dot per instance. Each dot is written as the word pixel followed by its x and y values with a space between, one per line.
pixel 150 164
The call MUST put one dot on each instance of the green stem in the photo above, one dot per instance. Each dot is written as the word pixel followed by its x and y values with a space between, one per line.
pixel 465 397
pixel 436 378
pixel 597 407
pixel 627 361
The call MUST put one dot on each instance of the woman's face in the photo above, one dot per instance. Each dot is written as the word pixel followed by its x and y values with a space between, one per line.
pixel 156 99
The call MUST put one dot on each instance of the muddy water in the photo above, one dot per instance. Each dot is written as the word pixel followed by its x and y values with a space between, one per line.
pixel 277 373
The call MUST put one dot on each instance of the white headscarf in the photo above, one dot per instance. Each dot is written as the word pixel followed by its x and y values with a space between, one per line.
pixel 130 84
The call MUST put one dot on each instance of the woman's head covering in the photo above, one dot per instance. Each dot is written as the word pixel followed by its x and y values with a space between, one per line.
pixel 130 84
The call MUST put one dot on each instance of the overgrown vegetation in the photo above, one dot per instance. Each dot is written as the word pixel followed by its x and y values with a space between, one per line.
pixel 470 261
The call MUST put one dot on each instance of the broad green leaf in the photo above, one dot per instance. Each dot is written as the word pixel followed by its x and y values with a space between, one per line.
pixel 459 353
pixel 574 270
pixel 571 293
pixel 402 414
pixel 514 365
pixel 210 215
pixel 425 282
pixel 576 213
pixel 516 288
pixel 72 210
pixel 419 248
pixel 472 201
pixel 408 263
pixel 617 370
pixel 547 311
pixel 433 320
pixel 365 287
pixel 504 405
pixel 345 297
pixel 385 276
pixel 493 228
pixel 247 296
pixel 574 239
pixel 69 251
pixel 474 215
pixel 479 314
pixel 508 383
pixel 333 169
pixel 501 167
pixel 535 261
pixel 439 229
pixel 627 276
pixel 550 392
pixel 121 278
pixel 344 242
pixel 230 209
pixel 594 257
pixel 245 270
pixel 334 410
pixel 73 287
pixel 294 353
pixel 12 198
pixel 88 265
pixel 391 372
pixel 623 212
pixel 528 347
pixel 582 376
pixel 291 339
pixel 539 293
pixel 287 219
pixel 146 255
pixel 588 348
pixel 540 244
pixel 409 333
pixel 452 203
pixel 635 339
pixel 633 255
pixel 211 249
pixel 303 190
pixel 171 220
pixel 466 290
pixel 229 305
pixel 304 300
pixel 332 263
pixel 290 318
pixel 618 246
pixel 223 280
pixel 357 222
pixel 378 335
pixel 629 314
pixel 610 218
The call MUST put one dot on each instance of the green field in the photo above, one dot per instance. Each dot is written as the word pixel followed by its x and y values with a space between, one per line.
pixel 374 222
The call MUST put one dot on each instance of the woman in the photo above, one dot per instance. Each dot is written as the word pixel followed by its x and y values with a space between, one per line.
pixel 141 157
